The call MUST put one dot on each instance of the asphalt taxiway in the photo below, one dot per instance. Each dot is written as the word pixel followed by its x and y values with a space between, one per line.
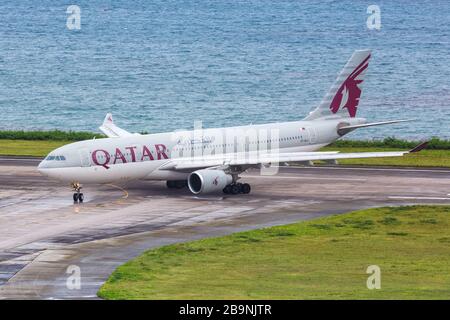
pixel 43 233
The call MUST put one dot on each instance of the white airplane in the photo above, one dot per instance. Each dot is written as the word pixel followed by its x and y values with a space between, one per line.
pixel 211 160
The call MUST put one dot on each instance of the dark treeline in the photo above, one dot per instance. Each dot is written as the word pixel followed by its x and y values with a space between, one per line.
pixel 57 135
pixel 53 135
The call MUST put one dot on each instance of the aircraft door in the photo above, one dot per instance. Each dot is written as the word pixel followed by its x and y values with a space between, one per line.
pixel 312 133
pixel 85 158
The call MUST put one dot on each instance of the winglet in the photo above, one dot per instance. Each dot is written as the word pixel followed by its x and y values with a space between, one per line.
pixel 108 119
pixel 419 147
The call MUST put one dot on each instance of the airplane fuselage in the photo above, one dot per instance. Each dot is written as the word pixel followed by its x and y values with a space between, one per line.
pixel 134 157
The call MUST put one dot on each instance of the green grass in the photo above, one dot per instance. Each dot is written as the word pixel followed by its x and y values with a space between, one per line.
pixel 325 258
pixel 424 158
pixel 391 142
pixel 28 147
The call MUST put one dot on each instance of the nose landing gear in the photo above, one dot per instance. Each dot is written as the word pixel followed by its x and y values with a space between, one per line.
pixel 78 195
pixel 236 188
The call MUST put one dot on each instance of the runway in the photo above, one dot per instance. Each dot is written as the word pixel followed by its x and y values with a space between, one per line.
pixel 42 232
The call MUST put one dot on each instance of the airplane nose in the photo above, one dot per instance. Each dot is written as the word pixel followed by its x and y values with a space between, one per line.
pixel 41 167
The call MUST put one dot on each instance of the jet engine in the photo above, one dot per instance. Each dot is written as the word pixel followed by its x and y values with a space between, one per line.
pixel 208 180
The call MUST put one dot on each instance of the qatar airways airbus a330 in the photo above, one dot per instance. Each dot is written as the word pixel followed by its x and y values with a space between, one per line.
pixel 211 160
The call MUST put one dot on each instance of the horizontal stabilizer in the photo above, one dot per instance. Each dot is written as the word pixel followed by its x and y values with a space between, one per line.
pixel 347 129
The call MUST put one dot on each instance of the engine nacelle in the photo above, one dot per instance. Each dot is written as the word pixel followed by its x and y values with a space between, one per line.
pixel 207 181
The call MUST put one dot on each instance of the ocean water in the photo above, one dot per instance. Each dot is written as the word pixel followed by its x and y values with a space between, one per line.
pixel 160 65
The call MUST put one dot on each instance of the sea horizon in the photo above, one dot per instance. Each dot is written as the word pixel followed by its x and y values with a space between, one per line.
pixel 159 66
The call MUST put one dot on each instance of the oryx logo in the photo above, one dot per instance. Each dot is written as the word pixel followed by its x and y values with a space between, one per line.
pixel 216 181
pixel 348 94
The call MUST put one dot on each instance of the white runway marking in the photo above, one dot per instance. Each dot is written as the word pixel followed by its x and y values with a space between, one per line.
pixel 419 198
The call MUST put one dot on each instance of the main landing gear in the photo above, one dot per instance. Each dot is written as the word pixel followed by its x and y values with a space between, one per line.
pixel 78 195
pixel 176 184
pixel 236 188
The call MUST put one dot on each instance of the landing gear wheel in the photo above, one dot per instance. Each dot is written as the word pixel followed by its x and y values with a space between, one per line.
pixel 170 184
pixel 176 184
pixel 235 189
pixel 77 196
pixel 246 188
pixel 227 189
pixel 180 184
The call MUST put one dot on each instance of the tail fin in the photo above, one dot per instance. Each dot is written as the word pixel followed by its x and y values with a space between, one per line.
pixel 343 97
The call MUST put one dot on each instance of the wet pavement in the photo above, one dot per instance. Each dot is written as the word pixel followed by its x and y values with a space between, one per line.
pixel 43 234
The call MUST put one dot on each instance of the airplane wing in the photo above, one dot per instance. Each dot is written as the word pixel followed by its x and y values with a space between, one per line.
pixel 111 130
pixel 249 160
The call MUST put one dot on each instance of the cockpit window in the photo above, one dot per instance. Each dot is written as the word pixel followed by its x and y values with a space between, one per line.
pixel 57 158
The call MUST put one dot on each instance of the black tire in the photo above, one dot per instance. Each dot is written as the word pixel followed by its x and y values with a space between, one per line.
pixel 227 189
pixel 170 184
pixel 240 186
pixel 80 197
pixel 75 197
pixel 235 189
pixel 246 188
pixel 180 184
